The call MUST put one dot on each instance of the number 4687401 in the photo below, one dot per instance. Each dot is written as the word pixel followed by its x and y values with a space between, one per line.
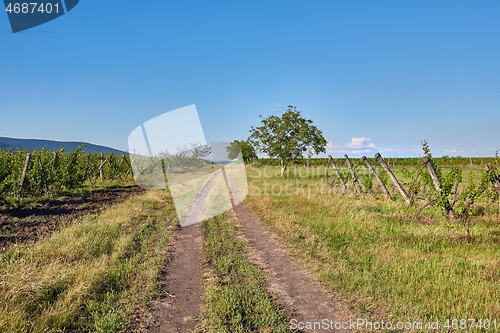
pixel 32 7
pixel 471 324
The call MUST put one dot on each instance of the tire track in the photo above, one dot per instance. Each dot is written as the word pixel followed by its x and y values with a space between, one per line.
pixel 179 309
pixel 293 286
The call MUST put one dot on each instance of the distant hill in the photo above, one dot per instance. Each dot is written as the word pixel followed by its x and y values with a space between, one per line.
pixel 35 144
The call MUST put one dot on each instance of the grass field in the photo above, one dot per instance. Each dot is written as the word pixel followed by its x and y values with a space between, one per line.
pixel 91 276
pixel 378 254
pixel 387 262
pixel 100 271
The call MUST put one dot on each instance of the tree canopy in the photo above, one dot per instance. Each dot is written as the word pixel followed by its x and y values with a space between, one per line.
pixel 247 150
pixel 287 137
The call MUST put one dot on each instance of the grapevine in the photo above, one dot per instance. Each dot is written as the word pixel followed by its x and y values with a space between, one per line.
pixel 56 172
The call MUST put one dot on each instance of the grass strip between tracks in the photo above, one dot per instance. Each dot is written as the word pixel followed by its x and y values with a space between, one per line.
pixel 235 297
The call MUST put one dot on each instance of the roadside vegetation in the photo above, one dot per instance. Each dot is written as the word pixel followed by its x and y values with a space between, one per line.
pixel 390 260
pixel 92 275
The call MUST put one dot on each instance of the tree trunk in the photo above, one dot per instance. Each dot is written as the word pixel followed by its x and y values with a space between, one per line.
pixel 377 177
pixel 337 172
pixel 283 168
pixel 393 178
pixel 353 175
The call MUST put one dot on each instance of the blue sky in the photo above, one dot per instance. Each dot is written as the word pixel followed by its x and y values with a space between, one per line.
pixel 372 75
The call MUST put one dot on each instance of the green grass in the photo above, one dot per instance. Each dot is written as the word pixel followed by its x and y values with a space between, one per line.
pixel 92 275
pixel 235 297
pixel 387 262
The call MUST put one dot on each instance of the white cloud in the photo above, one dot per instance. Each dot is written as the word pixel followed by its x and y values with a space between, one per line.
pixel 413 150
pixel 453 151
pixel 356 146
pixel 361 145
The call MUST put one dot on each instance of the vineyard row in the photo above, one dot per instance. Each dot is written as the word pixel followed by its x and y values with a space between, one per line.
pixel 43 172
pixel 393 161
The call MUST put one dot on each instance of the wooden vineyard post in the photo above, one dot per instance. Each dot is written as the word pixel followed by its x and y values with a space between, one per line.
pixel 435 180
pixel 130 167
pixel 119 166
pixel 45 187
pixel 393 178
pixel 432 172
pixel 496 182
pixel 353 175
pixel 337 172
pixel 377 177
pixel 25 170
pixel 87 161
pixel 102 166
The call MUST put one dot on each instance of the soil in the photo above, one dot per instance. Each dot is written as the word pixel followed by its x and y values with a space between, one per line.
pixel 180 307
pixel 293 287
pixel 21 225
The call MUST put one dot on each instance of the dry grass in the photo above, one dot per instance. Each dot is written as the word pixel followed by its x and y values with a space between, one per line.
pixel 387 262
pixel 91 275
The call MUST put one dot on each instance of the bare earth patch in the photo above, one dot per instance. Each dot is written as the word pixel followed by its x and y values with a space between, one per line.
pixel 20 225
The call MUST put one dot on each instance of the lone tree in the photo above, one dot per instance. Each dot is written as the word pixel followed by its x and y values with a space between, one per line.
pixel 287 137
pixel 247 150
